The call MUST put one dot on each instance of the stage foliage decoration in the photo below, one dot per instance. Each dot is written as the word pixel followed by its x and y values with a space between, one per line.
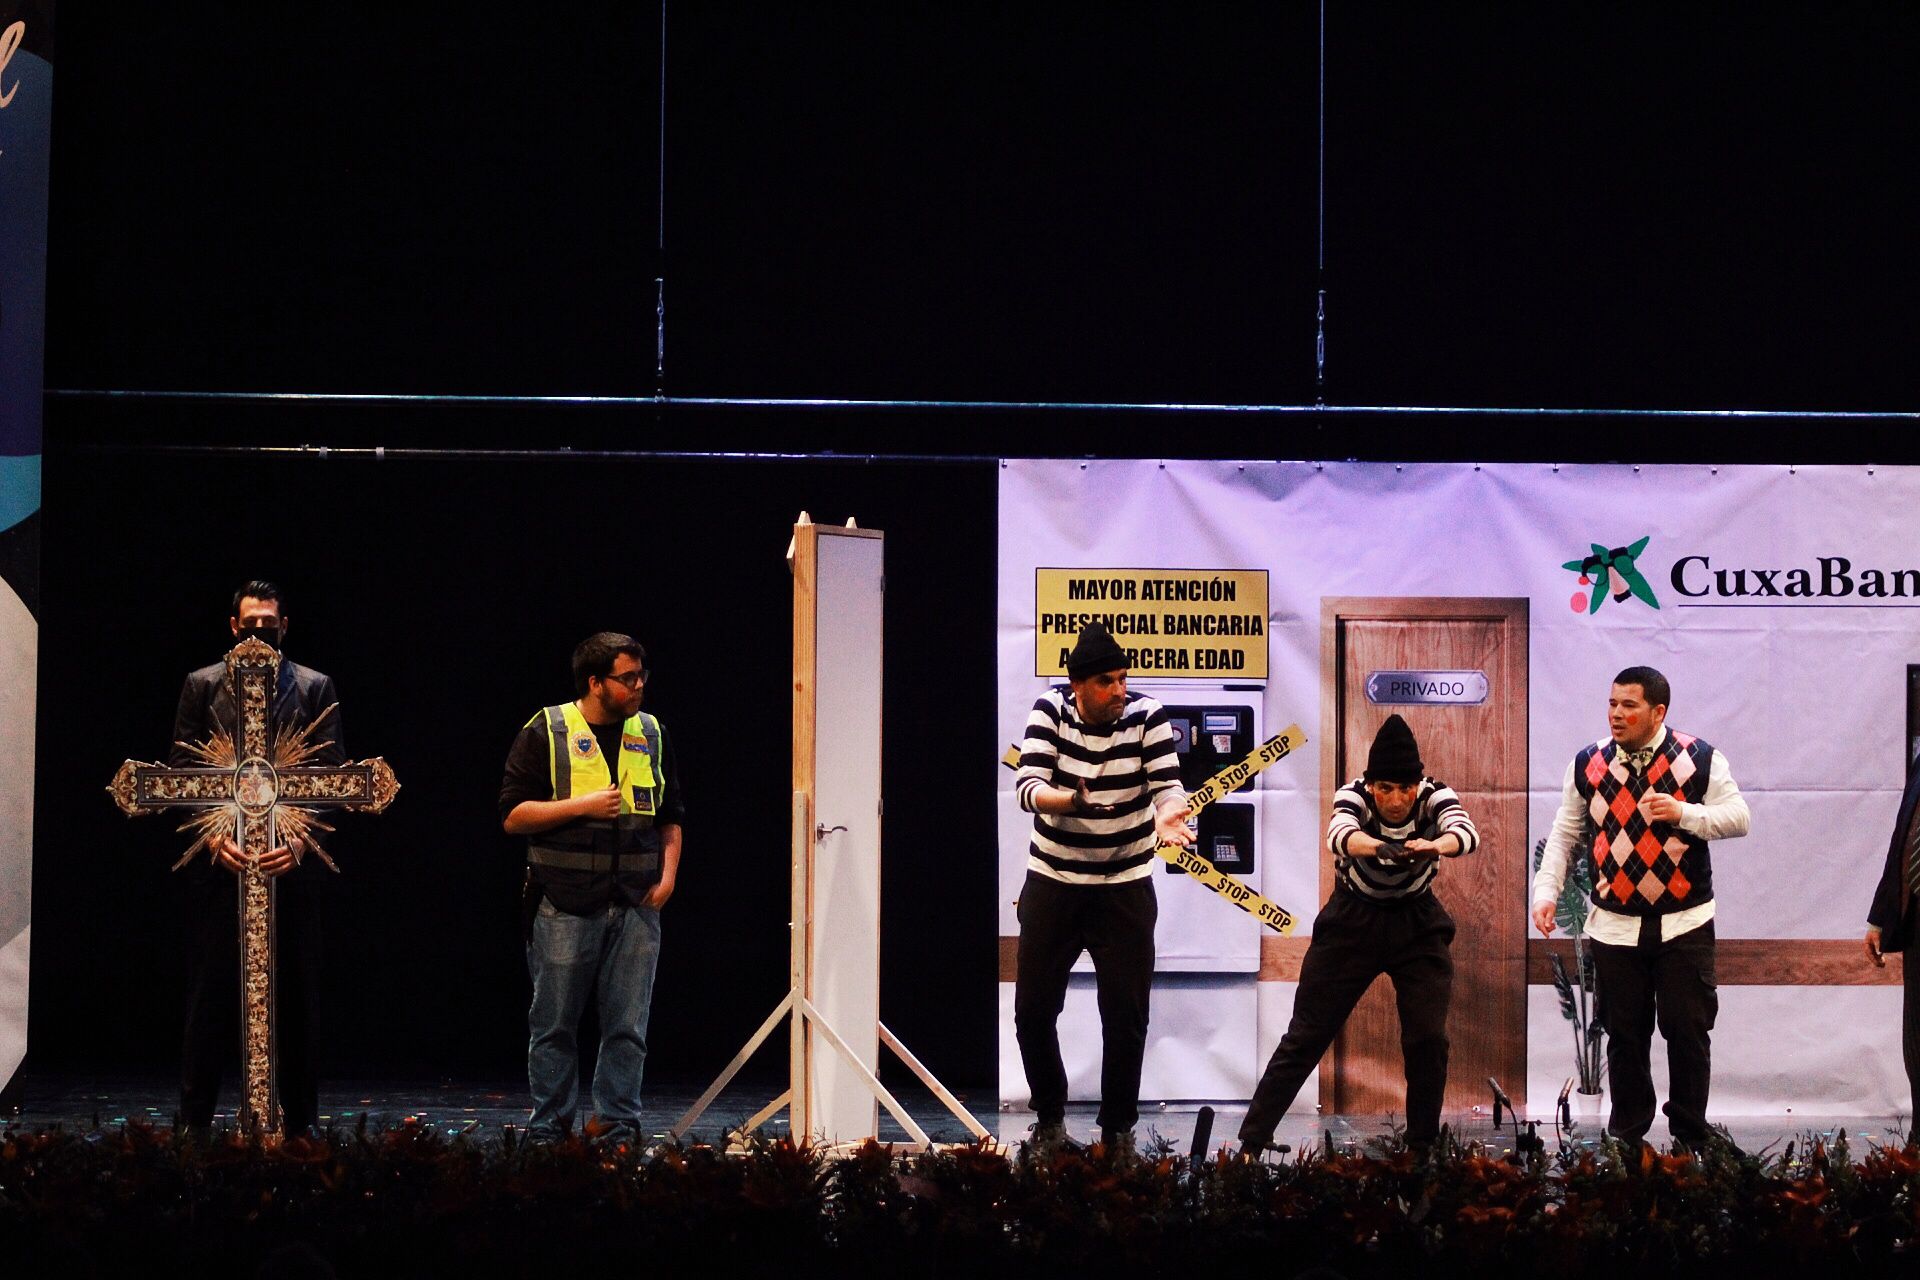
pixel 1576 990
pixel 411 1201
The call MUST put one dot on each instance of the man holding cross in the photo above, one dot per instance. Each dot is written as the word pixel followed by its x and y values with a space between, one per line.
pixel 206 705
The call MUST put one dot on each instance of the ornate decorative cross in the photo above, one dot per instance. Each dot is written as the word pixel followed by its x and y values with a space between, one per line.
pixel 256 787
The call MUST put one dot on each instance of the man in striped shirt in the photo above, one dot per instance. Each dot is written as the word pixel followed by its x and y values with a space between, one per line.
pixel 1388 831
pixel 1099 774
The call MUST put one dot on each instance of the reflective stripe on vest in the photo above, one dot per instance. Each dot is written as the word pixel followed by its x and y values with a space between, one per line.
pixel 570 859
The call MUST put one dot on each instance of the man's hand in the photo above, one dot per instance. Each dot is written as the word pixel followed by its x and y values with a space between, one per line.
pixel 276 861
pixel 1658 806
pixel 1170 826
pixel 1084 805
pixel 1543 913
pixel 604 803
pixel 658 895
pixel 1873 949
pixel 1424 848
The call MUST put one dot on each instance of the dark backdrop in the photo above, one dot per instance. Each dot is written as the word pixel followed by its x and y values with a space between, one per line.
pixel 1523 206
pixel 445 600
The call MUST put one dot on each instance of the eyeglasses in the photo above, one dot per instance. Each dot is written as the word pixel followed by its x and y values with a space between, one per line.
pixel 632 679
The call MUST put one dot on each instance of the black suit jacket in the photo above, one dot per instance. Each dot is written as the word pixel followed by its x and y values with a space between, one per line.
pixel 206 704
pixel 1896 927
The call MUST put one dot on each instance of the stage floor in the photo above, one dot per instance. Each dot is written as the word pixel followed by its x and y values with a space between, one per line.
pixel 485 1111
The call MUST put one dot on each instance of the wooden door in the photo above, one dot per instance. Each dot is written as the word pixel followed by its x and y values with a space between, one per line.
pixel 1481 752
pixel 839 602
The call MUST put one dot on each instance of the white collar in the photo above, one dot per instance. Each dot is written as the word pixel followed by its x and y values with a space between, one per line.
pixel 1653 744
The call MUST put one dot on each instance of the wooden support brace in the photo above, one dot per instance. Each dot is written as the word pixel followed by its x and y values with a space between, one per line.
pixel 705 1100
pixel 927 1078
pixel 867 1077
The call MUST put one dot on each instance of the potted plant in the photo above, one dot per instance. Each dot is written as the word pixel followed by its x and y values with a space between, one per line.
pixel 1577 1004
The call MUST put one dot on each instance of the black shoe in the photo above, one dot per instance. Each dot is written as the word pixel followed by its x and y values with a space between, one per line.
pixel 1698 1145
pixel 1253 1152
pixel 1047 1139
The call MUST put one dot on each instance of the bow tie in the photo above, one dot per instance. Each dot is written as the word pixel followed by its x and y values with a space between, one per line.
pixel 1638 760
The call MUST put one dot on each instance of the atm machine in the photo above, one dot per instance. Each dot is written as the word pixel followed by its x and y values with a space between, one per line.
pixel 1209 738
pixel 1199 933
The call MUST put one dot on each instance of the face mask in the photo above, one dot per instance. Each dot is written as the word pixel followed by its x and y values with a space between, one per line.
pixel 267 632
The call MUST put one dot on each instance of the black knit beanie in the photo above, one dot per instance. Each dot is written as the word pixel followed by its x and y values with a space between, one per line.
pixel 1094 653
pixel 1394 756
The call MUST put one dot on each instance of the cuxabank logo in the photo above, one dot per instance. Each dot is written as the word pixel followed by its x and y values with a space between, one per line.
pixel 1610 573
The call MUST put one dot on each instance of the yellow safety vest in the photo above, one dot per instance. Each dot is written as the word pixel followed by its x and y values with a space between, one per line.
pixel 577 765
pixel 576 854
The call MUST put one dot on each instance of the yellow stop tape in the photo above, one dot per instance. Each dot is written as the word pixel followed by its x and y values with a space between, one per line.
pixel 1232 888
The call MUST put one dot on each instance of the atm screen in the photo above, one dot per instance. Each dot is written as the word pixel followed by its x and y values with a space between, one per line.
pixel 1208 739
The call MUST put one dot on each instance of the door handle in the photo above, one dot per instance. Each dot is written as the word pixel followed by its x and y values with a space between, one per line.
pixel 821 831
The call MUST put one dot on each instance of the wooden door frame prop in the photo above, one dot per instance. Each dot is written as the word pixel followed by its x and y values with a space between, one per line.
pixel 797 1008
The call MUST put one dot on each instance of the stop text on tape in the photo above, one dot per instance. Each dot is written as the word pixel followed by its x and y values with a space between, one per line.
pixel 1233 889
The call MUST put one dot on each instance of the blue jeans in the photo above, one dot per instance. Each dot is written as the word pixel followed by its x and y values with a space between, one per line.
pixel 616 950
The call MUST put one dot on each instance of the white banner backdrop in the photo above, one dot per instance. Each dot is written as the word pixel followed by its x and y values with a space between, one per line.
pixel 1783 611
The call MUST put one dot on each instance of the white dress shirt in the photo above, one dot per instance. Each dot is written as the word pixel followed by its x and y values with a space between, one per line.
pixel 1721 815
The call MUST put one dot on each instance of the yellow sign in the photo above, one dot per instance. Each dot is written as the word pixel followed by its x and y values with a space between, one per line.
pixel 1175 624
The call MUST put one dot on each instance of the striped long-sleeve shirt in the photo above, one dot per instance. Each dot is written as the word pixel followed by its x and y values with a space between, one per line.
pixel 1436 811
pixel 1130 763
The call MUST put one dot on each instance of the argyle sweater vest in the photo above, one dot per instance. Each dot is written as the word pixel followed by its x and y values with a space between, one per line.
pixel 1643 868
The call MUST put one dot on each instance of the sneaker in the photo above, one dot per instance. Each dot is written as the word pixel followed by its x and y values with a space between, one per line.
pixel 1118 1142
pixel 615 1136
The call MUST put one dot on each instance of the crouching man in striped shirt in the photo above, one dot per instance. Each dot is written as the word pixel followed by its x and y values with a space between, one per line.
pixel 1388 831
pixel 1099 774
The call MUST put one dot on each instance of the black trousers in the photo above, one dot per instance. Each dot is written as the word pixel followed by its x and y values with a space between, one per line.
pixel 1910 1023
pixel 1354 941
pixel 211 1044
pixel 1113 923
pixel 1670 984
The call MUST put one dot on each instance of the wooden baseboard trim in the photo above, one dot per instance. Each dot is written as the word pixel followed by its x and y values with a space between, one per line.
pixel 1741 962
pixel 1758 962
